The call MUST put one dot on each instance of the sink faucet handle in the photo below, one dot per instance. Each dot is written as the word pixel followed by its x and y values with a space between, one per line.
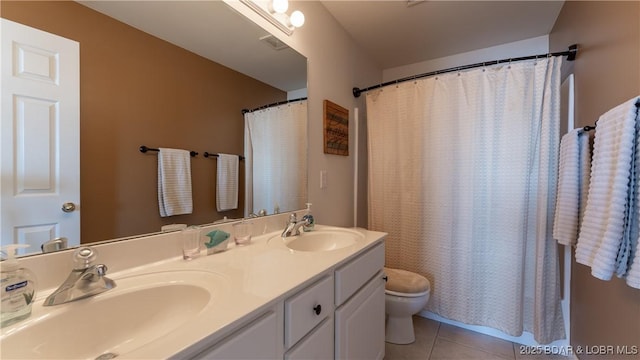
pixel 95 273
pixel 293 218
pixel 101 269
pixel 83 257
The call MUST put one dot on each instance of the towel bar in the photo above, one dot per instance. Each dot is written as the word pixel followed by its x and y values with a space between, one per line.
pixel 144 149
pixel 208 154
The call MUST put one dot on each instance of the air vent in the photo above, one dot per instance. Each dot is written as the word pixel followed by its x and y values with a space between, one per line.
pixel 274 42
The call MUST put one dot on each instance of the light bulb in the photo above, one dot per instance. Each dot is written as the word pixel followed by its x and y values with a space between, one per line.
pixel 280 6
pixel 297 18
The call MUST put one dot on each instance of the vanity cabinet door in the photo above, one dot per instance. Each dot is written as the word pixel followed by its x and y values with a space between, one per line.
pixel 359 330
pixel 318 345
pixel 257 340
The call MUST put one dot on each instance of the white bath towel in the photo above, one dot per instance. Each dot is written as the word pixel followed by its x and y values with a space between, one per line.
pixel 174 182
pixel 633 275
pixel 603 227
pixel 227 184
pixel 573 185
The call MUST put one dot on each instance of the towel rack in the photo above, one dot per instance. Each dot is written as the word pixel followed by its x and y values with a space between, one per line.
pixel 144 149
pixel 589 128
pixel 208 154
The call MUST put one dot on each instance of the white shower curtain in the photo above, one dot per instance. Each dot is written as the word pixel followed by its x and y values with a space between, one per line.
pixel 462 175
pixel 276 158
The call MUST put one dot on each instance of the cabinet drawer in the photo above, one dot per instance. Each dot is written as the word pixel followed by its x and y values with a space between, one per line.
pixel 352 276
pixel 307 309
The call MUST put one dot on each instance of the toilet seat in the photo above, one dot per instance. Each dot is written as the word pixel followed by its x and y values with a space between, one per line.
pixel 408 295
pixel 405 283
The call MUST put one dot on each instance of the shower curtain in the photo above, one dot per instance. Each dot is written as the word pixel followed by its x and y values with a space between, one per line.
pixel 462 175
pixel 276 158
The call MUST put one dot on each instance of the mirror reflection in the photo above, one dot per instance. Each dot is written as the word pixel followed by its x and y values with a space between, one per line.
pixel 177 77
pixel 276 162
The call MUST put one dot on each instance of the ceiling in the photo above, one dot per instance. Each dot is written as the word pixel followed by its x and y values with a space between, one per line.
pixel 395 34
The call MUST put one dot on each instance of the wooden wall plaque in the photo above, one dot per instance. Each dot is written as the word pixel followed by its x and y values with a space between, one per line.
pixel 336 129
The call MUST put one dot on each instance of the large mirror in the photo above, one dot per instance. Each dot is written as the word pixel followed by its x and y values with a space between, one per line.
pixel 173 74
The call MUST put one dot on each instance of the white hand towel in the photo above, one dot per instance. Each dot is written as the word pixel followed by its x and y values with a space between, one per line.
pixel 174 182
pixel 603 226
pixel 573 185
pixel 227 184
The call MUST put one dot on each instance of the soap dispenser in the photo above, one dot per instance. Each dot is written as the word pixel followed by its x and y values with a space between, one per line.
pixel 18 287
pixel 308 217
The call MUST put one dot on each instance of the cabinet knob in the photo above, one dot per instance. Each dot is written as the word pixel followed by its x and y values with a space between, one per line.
pixel 385 278
pixel 317 309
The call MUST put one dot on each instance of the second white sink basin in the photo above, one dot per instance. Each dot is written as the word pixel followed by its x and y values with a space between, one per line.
pixel 139 310
pixel 327 239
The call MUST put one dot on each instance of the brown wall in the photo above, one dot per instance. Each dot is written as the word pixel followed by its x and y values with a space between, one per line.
pixel 135 90
pixel 607 73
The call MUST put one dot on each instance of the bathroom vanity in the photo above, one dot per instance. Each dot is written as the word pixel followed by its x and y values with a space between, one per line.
pixel 316 295
pixel 341 313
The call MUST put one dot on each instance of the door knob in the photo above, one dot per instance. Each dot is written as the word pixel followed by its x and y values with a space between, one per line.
pixel 68 207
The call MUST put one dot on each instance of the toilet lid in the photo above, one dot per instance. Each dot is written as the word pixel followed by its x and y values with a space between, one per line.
pixel 407 282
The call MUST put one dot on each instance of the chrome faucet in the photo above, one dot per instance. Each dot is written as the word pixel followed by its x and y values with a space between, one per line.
pixel 56 244
pixel 293 226
pixel 86 279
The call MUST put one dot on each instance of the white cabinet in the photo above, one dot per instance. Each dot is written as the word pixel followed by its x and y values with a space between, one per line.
pixel 318 345
pixel 341 315
pixel 306 309
pixel 359 332
pixel 260 339
pixel 354 274
pixel 360 316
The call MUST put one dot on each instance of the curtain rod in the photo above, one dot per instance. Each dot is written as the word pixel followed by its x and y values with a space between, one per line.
pixel 244 111
pixel 570 54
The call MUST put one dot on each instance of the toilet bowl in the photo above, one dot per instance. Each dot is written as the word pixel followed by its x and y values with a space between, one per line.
pixel 406 293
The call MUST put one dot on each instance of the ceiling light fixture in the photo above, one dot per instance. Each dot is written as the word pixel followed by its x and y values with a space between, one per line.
pixel 275 12
pixel 279 6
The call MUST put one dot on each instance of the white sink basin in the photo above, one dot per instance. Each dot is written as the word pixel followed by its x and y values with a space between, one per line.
pixel 319 240
pixel 139 310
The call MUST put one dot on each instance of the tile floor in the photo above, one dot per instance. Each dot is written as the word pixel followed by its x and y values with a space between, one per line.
pixel 439 341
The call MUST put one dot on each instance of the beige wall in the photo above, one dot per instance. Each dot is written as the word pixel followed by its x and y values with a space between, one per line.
pixel 135 90
pixel 607 72
pixel 335 66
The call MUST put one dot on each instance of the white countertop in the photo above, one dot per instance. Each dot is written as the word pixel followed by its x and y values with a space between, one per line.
pixel 251 278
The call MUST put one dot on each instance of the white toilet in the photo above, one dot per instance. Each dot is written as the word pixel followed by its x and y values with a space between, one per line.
pixel 406 293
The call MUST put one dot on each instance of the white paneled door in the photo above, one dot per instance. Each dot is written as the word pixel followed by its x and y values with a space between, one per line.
pixel 39 137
